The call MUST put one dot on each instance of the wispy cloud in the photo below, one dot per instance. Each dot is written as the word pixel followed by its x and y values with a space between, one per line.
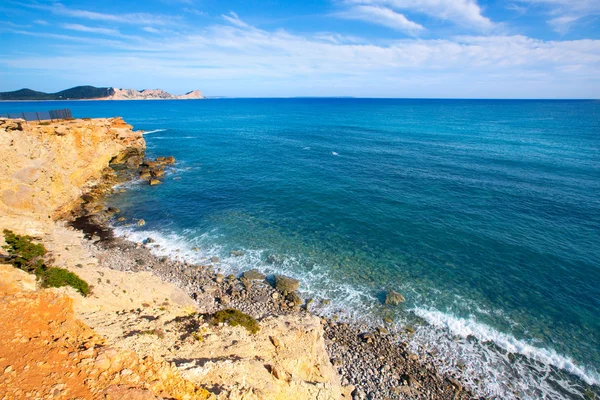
pixel 91 29
pixel 564 13
pixel 461 12
pixel 235 20
pixel 127 18
pixel 382 16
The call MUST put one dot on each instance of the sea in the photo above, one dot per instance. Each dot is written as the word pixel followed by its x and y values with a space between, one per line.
pixel 484 214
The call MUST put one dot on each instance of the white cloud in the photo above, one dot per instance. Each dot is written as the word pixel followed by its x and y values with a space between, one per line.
pixel 564 13
pixel 242 60
pixel 233 18
pixel 382 16
pixel 127 18
pixel 90 29
pixel 150 29
pixel 461 12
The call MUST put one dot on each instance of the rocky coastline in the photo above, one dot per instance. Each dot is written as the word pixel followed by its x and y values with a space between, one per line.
pixel 359 361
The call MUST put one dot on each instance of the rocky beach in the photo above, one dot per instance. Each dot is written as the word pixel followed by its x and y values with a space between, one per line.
pixel 148 327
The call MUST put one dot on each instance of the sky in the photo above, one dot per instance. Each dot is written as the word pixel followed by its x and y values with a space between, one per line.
pixel 276 48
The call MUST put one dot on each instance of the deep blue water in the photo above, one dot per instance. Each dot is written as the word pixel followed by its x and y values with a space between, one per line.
pixel 485 214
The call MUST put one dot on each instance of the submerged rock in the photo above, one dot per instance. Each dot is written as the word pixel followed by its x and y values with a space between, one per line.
pixel 286 284
pixel 393 298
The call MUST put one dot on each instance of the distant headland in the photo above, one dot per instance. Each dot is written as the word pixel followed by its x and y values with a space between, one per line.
pixel 98 93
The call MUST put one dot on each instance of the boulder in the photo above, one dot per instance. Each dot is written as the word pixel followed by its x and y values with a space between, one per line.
pixel 294 298
pixel 157 172
pixel 170 160
pixel 393 298
pixel 141 222
pixel 254 275
pixel 150 164
pixel 154 182
pixel 286 284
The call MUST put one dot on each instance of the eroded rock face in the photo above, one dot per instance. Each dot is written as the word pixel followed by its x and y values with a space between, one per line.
pixel 47 166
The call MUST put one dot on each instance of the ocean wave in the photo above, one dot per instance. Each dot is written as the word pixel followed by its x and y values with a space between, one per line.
pixel 347 301
pixel 153 131
pixel 470 328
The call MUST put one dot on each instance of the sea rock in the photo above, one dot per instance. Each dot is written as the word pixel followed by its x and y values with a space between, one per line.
pixel 254 275
pixel 157 172
pixel 294 298
pixel 154 182
pixel 170 160
pixel 150 164
pixel 237 253
pixel 393 298
pixel 215 259
pixel 141 222
pixel 286 284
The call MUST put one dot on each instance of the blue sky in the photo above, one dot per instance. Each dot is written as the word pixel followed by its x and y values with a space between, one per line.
pixel 272 48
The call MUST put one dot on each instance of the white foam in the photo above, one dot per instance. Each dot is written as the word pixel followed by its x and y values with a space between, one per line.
pixel 153 131
pixel 469 327
pixel 333 153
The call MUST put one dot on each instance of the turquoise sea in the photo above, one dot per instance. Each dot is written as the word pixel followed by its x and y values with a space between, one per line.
pixel 485 214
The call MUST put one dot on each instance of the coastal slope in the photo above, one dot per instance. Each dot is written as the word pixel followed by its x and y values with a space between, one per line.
pixel 134 332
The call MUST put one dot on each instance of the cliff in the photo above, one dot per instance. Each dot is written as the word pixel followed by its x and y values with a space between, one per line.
pixel 48 166
pixel 151 94
pixel 135 335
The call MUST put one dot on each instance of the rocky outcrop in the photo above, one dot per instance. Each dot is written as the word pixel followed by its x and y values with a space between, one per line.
pixel 151 94
pixel 47 166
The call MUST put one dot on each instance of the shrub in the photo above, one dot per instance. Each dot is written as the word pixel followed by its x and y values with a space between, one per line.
pixel 24 254
pixel 235 318
pixel 58 277
pixel 28 256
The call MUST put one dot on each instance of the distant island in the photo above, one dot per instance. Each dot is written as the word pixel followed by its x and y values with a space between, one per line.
pixel 95 93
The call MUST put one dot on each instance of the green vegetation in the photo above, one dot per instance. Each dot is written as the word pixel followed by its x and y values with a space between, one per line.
pixel 24 254
pixel 29 256
pixel 235 318
pixel 78 92
pixel 58 277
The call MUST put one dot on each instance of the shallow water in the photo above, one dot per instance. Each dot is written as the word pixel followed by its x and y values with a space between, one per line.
pixel 484 214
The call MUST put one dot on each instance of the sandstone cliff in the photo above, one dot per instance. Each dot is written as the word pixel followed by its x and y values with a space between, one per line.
pixel 46 167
